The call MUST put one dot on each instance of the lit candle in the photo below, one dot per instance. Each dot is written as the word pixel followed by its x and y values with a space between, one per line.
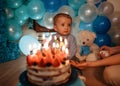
pixel 55 38
pixel 67 52
pixel 66 42
pixel 43 36
pixel 60 39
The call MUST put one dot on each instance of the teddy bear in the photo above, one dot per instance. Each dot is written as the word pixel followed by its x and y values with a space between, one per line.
pixel 87 50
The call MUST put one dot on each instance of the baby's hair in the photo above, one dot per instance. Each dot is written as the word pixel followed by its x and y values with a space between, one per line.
pixel 61 15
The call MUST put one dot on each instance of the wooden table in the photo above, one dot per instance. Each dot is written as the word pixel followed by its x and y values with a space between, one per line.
pixel 10 71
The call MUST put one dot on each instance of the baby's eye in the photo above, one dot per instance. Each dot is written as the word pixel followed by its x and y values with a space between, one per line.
pixel 63 24
pixel 69 25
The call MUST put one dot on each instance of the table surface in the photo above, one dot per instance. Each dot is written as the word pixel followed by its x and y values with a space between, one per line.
pixel 10 72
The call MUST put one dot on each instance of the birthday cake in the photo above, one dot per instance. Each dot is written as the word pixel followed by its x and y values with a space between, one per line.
pixel 48 68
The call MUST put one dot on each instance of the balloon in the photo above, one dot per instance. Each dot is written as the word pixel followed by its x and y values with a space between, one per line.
pixel 36 9
pixel 30 32
pixel 86 26
pixel 66 9
pixel 25 42
pixel 48 20
pixel 2 18
pixel 21 12
pixel 14 30
pixel 101 24
pixel 87 12
pixel 115 19
pixel 52 5
pixel 106 8
pixel 103 39
pixel 63 2
pixel 76 21
pixel 14 3
pixel 93 1
pixel 115 35
pixel 20 21
pixel 9 13
pixel 76 4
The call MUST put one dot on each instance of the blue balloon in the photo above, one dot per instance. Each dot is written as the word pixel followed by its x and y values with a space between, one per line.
pixel 25 42
pixel 86 26
pixel 63 2
pixel 52 5
pixel 14 30
pixel 14 3
pixel 103 39
pixel 36 9
pixel 101 24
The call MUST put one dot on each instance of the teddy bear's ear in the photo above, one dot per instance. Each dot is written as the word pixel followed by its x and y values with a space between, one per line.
pixel 93 34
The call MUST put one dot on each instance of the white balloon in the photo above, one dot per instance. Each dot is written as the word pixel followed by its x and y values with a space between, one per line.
pixel 25 43
pixel 88 12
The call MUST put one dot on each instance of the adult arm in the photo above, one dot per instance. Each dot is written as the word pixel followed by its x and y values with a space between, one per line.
pixel 112 60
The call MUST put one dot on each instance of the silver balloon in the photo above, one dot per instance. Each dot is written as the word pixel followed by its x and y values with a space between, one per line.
pixel 106 8
pixel 48 20
pixel 93 1
pixel 67 9
pixel 87 12
pixel 115 19
pixel 115 35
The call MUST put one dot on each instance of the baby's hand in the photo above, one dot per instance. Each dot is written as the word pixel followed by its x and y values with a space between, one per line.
pixel 104 54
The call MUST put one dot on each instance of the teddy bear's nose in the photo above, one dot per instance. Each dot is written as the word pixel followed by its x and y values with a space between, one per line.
pixel 83 42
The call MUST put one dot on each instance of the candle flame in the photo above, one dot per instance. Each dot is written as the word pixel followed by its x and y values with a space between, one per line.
pixel 60 39
pixel 66 42
pixel 67 51
pixel 55 37
pixel 43 37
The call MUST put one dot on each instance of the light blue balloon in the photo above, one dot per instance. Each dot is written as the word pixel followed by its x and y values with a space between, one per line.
pixel 76 4
pixel 20 21
pixel 36 9
pixel 86 26
pixel 14 30
pixel 14 3
pixel 21 12
pixel 9 13
pixel 25 42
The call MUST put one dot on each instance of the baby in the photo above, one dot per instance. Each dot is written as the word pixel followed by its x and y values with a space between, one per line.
pixel 62 26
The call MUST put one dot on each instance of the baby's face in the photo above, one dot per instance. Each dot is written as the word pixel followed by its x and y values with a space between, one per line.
pixel 63 25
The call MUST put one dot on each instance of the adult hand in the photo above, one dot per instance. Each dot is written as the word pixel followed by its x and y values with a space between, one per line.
pixel 79 65
pixel 106 51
